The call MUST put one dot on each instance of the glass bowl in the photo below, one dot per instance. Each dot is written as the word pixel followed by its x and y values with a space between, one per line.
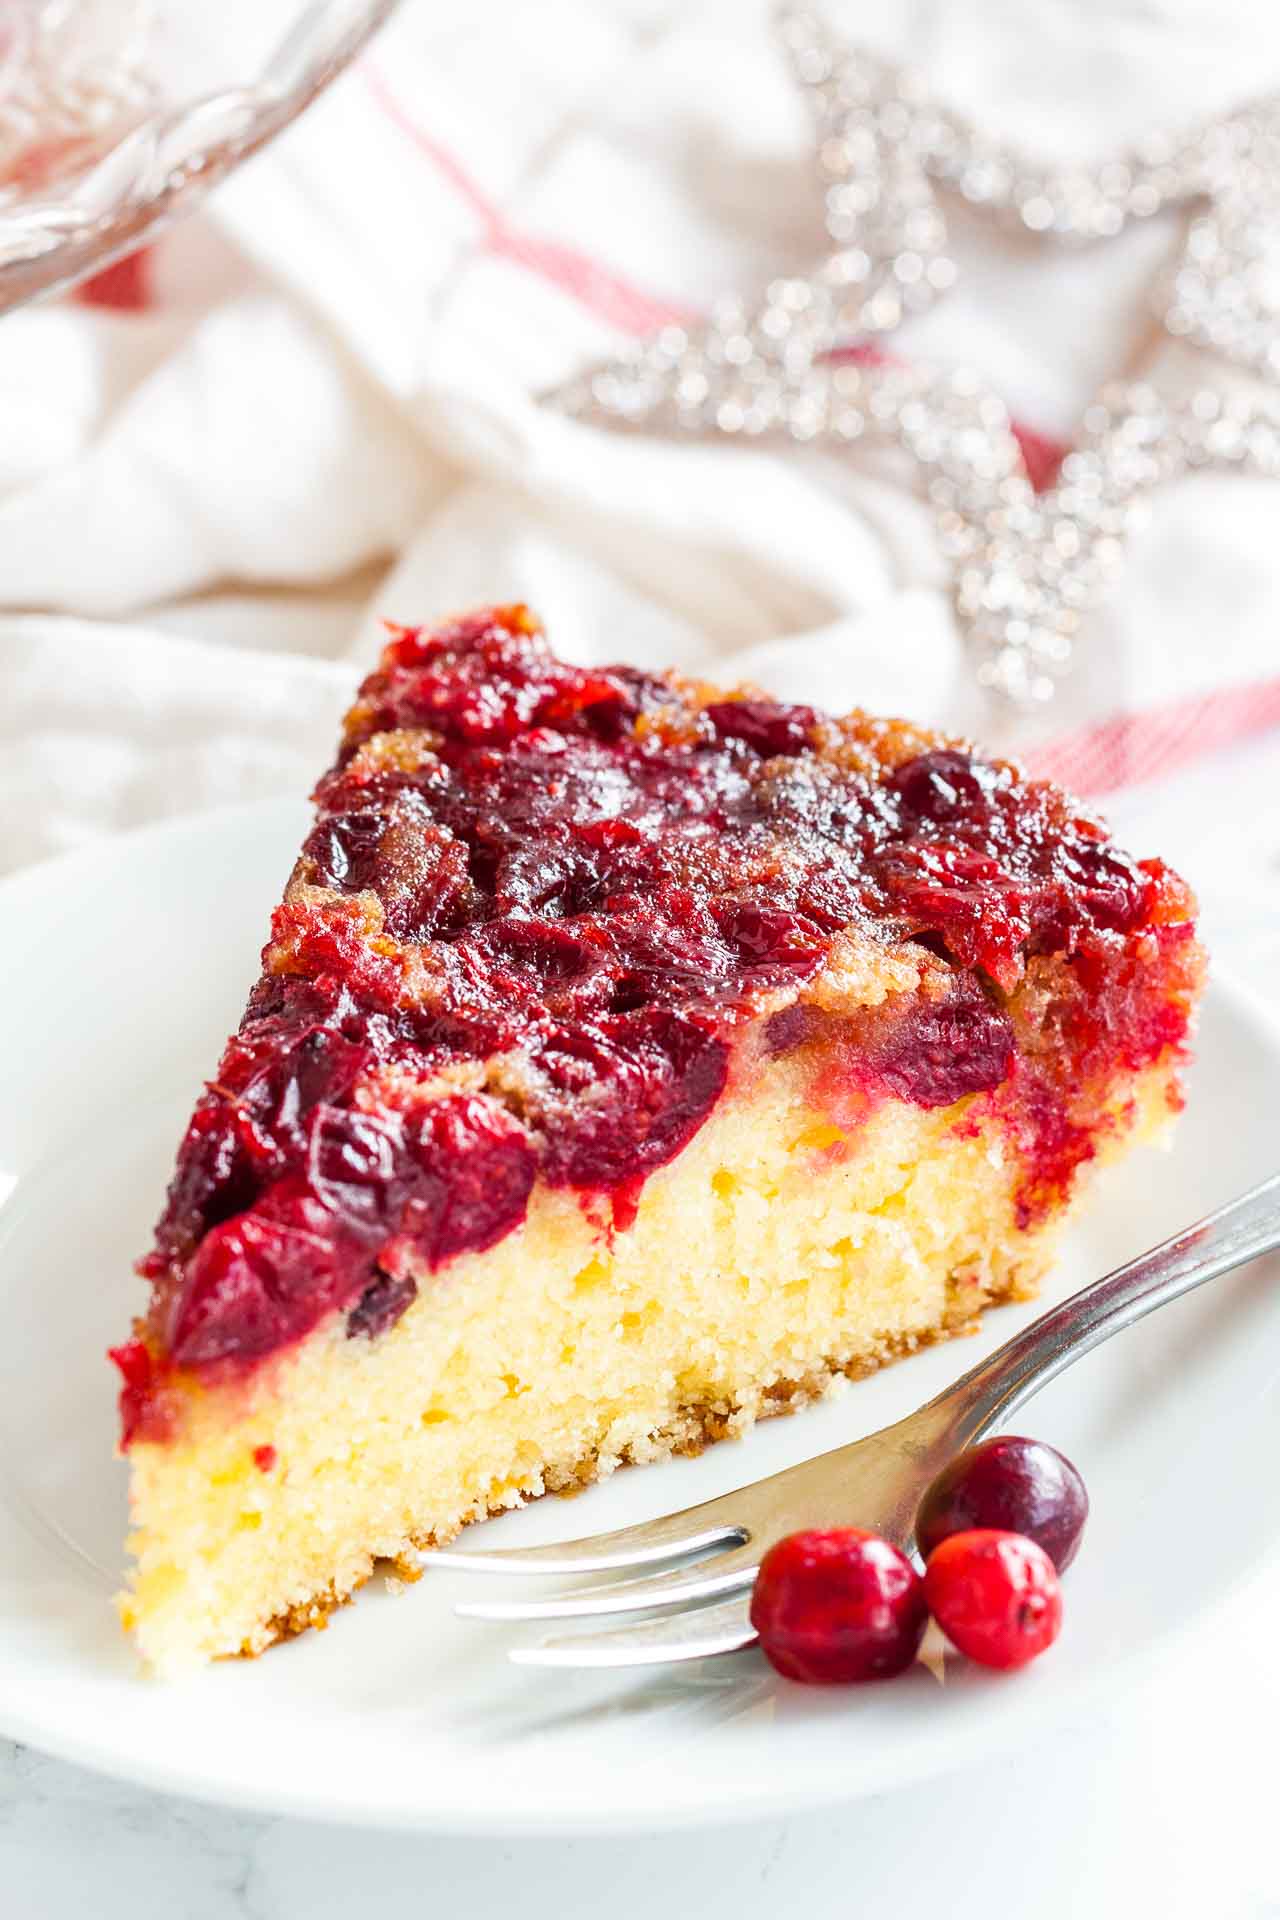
pixel 116 116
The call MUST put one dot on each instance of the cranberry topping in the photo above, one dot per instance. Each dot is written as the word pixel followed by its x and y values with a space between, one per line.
pixel 659 1076
pixel 838 1604
pixel 456 1178
pixel 795 1026
pixel 355 1169
pixel 577 868
pixel 485 680
pixel 254 1283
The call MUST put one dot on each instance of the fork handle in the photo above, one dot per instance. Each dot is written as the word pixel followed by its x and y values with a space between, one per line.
pixel 991 1392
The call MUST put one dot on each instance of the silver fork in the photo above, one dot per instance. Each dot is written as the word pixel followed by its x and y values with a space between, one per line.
pixel 876 1482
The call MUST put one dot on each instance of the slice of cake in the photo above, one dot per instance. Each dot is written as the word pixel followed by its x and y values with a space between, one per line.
pixel 629 1058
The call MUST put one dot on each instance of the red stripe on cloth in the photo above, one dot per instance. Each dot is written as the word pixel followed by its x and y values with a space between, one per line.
pixel 1132 748
pixel 1042 456
pixel 125 285
pixel 595 286
pixel 611 297
pixel 440 157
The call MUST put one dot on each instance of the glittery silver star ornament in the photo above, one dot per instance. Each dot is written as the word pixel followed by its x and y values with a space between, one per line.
pixel 1225 294
pixel 1027 568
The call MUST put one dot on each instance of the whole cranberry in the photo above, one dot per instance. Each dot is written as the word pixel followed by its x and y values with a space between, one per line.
pixel 995 1595
pixel 838 1604
pixel 943 783
pixel 1019 1486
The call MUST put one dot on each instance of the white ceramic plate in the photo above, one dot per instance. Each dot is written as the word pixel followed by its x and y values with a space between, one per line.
pixel 121 970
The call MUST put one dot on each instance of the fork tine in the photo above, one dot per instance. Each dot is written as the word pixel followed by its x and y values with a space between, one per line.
pixel 678 1588
pixel 674 1537
pixel 696 1635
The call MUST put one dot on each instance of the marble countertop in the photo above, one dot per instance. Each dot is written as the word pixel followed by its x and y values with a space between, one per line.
pixel 1163 1805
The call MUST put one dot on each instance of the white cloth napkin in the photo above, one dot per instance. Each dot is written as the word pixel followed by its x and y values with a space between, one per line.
pixel 338 368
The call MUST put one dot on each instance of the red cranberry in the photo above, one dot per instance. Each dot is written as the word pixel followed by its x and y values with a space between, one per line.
pixel 253 1285
pixel 344 849
pixel 654 1078
pixel 769 945
pixel 941 784
pixel 767 726
pixel 545 951
pixel 355 1167
pixel 838 1604
pixel 215 1177
pixel 995 1595
pixel 1018 1486
pixel 472 1180
pixel 937 1053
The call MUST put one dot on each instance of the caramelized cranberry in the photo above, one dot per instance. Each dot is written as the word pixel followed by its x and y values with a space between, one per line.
pixel 214 1178
pixel 838 1605
pixel 474 1170
pixel 343 849
pixel 279 1077
pixel 767 726
pixel 770 945
pixel 544 949
pixel 250 1126
pixel 1014 1485
pixel 995 1595
pixel 327 944
pixel 939 1052
pixel 796 1026
pixel 354 1167
pixel 964 895
pixel 942 784
pixel 254 1284
pixel 657 1078
pixel 486 683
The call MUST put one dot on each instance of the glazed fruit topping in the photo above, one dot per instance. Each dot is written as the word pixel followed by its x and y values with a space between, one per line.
pixel 456 1177
pixel 587 876
pixel 1013 1485
pixel 995 1595
pixel 838 1605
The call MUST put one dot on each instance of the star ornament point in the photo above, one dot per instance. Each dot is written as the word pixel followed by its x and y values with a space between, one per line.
pixel 1026 567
